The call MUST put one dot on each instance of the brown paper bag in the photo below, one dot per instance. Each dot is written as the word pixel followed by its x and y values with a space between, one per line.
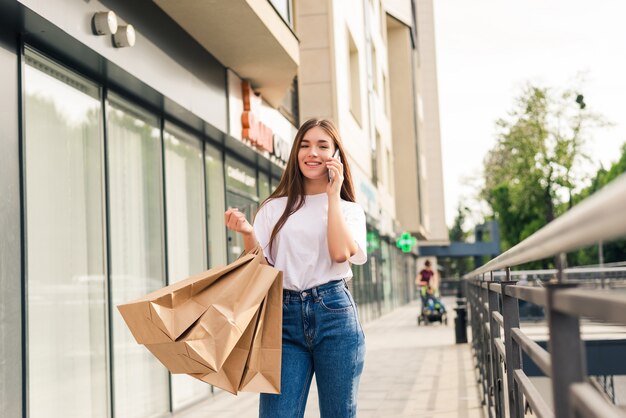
pixel 229 377
pixel 261 345
pixel 200 324
pixel 262 372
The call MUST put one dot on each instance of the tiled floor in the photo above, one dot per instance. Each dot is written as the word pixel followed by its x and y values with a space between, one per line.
pixel 410 371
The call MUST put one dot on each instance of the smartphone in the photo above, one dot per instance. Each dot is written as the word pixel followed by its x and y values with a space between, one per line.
pixel 335 155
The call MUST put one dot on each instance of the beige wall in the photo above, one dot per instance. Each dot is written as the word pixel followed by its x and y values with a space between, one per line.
pixel 430 140
pixel 404 127
pixel 324 28
pixel 397 99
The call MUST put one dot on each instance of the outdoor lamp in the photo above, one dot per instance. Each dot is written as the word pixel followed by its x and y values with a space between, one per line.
pixel 104 23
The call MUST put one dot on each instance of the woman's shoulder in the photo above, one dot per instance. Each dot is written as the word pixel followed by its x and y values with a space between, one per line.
pixel 351 206
pixel 273 204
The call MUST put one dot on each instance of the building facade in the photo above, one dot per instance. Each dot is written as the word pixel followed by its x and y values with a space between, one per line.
pixel 119 154
pixel 369 66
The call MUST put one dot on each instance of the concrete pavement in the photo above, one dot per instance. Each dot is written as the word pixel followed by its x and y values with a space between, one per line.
pixel 410 371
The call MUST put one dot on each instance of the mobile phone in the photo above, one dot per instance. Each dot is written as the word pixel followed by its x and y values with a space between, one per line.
pixel 335 155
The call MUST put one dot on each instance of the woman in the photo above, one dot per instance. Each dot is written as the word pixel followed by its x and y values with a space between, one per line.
pixel 311 229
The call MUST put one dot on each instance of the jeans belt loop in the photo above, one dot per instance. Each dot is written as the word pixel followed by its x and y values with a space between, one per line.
pixel 314 293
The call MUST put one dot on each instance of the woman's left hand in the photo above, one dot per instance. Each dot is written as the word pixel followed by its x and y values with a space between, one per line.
pixel 334 185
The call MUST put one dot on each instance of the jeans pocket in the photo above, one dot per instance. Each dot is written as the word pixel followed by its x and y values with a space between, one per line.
pixel 337 302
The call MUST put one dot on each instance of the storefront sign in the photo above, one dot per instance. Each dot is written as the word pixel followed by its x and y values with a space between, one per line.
pixel 406 242
pixel 281 148
pixel 259 134
pixel 240 178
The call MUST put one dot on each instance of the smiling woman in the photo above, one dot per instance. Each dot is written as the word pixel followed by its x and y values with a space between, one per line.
pixel 315 153
pixel 312 230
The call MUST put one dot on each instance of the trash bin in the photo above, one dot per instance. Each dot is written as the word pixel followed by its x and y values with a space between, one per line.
pixel 460 324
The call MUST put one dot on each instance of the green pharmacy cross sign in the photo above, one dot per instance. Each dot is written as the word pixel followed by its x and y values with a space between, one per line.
pixel 373 242
pixel 406 242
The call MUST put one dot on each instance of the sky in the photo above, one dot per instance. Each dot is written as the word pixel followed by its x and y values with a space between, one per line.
pixel 488 49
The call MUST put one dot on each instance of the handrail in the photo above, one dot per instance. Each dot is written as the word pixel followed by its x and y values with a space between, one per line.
pixel 494 307
pixel 534 351
pixel 599 217
pixel 535 400
pixel 605 306
pixel 587 400
pixel 534 295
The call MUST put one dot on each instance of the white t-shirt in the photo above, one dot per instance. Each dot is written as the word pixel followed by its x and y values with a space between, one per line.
pixel 300 249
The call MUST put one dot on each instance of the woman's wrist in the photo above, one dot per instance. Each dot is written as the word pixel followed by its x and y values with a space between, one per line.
pixel 334 198
pixel 249 240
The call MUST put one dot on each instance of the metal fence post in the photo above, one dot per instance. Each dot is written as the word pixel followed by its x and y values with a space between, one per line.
pixel 476 335
pixel 510 312
pixel 494 328
pixel 566 353
pixel 486 346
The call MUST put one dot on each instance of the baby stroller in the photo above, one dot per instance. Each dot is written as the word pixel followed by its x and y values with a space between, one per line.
pixel 433 310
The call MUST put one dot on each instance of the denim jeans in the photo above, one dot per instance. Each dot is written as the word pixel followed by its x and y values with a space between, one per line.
pixel 322 336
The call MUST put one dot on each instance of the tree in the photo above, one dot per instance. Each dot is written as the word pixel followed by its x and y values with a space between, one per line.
pixel 456 267
pixel 615 250
pixel 535 164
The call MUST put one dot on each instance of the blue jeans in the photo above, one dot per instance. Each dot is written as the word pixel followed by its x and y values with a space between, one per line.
pixel 322 336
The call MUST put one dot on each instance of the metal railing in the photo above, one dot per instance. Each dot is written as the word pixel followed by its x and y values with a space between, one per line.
pixel 498 341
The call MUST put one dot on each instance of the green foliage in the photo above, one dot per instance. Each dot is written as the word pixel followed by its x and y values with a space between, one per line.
pixel 456 267
pixel 612 251
pixel 534 167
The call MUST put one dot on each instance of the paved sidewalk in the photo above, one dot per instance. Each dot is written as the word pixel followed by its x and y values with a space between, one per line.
pixel 410 371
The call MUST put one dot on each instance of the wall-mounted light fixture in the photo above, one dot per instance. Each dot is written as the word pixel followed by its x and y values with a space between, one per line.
pixel 104 23
pixel 125 36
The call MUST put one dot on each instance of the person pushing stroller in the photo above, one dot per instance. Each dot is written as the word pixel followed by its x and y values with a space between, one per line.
pixel 425 279
pixel 432 307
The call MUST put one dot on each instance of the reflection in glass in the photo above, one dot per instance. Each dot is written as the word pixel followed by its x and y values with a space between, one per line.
pixel 67 367
pixel 215 203
pixel 186 245
pixel 141 383
pixel 386 275
pixel 264 186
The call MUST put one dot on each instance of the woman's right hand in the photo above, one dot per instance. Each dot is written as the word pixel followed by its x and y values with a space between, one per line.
pixel 236 221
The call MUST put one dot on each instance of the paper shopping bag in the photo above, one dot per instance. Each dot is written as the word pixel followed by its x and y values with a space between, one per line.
pixel 194 326
pixel 262 372
pixel 261 350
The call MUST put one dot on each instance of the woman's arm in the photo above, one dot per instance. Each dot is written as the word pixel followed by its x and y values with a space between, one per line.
pixel 341 244
pixel 236 221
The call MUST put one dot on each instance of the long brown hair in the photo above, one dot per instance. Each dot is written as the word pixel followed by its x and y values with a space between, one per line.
pixel 292 181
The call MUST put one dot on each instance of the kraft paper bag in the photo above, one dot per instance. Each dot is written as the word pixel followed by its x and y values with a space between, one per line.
pixel 262 372
pixel 212 325
pixel 229 377
pixel 254 363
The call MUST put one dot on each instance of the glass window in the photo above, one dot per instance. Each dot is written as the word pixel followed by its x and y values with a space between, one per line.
pixel 141 383
pixel 216 206
pixel 66 299
pixel 241 178
pixel 354 78
pixel 274 184
pixel 186 243
pixel 264 186
pixel 386 274
pixel 283 7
